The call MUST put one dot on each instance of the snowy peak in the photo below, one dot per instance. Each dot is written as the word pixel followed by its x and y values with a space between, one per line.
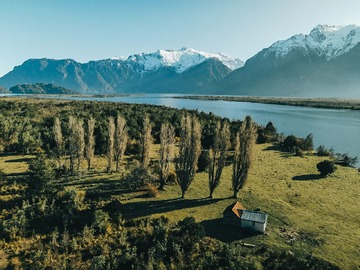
pixel 324 40
pixel 180 60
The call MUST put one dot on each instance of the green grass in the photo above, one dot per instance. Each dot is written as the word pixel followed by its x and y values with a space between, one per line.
pixel 319 216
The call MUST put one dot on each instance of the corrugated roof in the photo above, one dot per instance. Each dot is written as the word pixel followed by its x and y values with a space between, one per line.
pixel 254 216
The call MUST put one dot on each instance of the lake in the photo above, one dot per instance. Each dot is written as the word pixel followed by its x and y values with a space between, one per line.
pixel 339 129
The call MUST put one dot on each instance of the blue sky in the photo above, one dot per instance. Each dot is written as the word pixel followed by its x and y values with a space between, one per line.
pixel 97 29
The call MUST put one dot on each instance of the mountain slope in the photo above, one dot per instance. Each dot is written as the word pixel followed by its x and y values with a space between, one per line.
pixel 162 71
pixel 39 88
pixel 324 63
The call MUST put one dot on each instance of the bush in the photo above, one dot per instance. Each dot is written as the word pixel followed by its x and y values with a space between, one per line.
pixel 203 161
pixel 322 151
pixel 152 190
pixel 326 167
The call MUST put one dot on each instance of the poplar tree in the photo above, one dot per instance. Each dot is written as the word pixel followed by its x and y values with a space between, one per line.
pixel 80 146
pixel 121 138
pixel 243 155
pixel 72 143
pixel 59 142
pixel 217 155
pixel 146 140
pixel 110 150
pixel 167 139
pixel 189 152
pixel 90 142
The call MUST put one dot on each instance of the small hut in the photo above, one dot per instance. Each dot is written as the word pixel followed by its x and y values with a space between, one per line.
pixel 237 215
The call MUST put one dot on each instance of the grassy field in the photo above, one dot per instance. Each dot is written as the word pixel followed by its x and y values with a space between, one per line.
pixel 314 215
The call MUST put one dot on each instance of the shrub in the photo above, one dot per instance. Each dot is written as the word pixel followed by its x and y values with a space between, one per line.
pixel 322 151
pixel 152 190
pixel 101 221
pixel 326 167
pixel 203 161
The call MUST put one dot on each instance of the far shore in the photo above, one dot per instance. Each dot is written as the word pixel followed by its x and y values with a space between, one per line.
pixel 325 103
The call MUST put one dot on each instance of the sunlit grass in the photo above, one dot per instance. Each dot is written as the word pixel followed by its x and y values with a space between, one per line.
pixel 307 213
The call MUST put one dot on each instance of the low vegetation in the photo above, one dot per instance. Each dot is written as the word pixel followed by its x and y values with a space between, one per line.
pixel 96 217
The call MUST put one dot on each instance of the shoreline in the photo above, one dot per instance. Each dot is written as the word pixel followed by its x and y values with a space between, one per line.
pixel 322 103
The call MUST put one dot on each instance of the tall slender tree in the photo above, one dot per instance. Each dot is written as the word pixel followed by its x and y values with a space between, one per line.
pixel 80 146
pixel 243 155
pixel 189 152
pixel 59 142
pixel 217 155
pixel 71 143
pixel 76 143
pixel 146 141
pixel 90 142
pixel 110 150
pixel 167 139
pixel 121 138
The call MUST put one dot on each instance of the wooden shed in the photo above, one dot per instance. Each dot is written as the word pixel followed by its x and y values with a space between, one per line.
pixel 237 215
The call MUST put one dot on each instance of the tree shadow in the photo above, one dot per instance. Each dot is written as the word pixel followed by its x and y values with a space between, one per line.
pixel 19 160
pixel 216 228
pixel 141 209
pixel 307 177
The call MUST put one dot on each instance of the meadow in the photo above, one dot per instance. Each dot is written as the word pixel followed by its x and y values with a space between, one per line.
pixel 308 214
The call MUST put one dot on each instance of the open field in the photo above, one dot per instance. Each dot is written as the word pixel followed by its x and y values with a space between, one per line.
pixel 306 213
pixel 329 103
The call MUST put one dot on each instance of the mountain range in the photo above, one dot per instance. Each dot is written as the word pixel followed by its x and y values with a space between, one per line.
pixel 162 71
pixel 325 62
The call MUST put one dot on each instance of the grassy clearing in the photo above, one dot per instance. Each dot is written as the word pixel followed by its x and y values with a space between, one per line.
pixel 306 213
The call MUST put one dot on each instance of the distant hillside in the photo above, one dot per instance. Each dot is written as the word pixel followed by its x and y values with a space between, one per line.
pixel 39 88
pixel 163 71
pixel 3 90
pixel 325 63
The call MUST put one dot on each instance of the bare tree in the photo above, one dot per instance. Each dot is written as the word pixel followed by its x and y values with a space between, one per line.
pixel 121 137
pixel 243 155
pixel 146 141
pixel 110 151
pixel 167 139
pixel 189 152
pixel 218 154
pixel 90 142
pixel 59 142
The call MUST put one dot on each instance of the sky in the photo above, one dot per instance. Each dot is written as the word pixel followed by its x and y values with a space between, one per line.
pixel 87 30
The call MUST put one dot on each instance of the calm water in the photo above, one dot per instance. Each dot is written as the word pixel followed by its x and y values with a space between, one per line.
pixel 339 129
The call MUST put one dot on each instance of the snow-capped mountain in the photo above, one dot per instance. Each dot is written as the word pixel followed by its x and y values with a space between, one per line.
pixel 162 71
pixel 180 60
pixel 324 40
pixel 325 62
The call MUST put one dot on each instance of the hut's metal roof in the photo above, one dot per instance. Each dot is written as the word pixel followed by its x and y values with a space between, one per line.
pixel 254 216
